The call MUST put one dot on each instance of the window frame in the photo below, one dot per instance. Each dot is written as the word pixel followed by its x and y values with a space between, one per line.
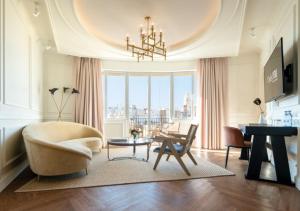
pixel 193 94
pixel 106 94
pixel 149 75
pixel 148 92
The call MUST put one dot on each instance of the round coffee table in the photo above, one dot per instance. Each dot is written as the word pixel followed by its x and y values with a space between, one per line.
pixel 129 142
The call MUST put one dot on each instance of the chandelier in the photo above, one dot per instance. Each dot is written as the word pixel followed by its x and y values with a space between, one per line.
pixel 151 43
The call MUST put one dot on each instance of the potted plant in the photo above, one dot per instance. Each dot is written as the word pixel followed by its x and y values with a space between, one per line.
pixel 262 117
pixel 135 132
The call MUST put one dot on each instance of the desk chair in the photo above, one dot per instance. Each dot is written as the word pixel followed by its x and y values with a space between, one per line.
pixel 235 138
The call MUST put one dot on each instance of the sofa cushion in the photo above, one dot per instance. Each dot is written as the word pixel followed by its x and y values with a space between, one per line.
pixel 78 147
pixel 93 143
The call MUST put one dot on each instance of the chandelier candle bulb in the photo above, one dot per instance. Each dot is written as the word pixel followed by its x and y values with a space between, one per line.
pixel 160 37
pixel 141 29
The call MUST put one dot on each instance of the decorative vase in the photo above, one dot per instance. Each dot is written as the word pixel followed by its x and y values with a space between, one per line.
pixel 262 118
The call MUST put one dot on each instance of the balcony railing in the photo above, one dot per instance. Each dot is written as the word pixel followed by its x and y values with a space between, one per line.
pixel 154 122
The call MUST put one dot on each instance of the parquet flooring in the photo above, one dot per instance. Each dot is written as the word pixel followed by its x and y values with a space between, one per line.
pixel 219 193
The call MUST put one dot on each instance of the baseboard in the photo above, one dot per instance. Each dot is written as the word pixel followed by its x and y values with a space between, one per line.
pixel 11 175
pixel 297 182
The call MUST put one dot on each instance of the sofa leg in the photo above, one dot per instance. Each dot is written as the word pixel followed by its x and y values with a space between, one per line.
pixel 86 171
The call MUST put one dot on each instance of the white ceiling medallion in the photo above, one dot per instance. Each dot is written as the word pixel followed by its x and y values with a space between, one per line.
pixel 192 29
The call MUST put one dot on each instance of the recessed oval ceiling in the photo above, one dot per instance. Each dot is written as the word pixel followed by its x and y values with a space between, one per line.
pixel 181 21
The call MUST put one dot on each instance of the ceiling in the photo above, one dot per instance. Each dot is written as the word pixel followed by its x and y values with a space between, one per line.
pixel 192 28
pixel 41 24
pixel 259 15
pixel 182 21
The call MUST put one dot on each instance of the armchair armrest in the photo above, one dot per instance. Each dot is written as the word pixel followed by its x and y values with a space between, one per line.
pixel 174 140
pixel 178 135
pixel 174 134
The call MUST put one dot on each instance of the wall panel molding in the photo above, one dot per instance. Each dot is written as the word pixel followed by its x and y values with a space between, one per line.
pixel 1 48
pixel 12 137
pixel 15 47
pixel 21 67
pixel 11 175
pixel 1 150
pixel 30 73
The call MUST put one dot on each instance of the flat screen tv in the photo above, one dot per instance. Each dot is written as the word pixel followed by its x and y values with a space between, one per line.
pixel 274 74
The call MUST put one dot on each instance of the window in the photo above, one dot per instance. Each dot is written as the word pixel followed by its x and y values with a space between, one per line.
pixel 138 96
pixel 160 99
pixel 183 96
pixel 168 96
pixel 115 96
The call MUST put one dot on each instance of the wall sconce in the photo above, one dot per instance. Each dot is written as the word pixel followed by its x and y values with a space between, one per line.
pixel 36 10
pixel 252 32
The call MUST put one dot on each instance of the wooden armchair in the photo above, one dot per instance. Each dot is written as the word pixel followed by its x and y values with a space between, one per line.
pixel 177 145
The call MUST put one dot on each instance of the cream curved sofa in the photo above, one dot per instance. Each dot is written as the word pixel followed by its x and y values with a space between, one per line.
pixel 57 148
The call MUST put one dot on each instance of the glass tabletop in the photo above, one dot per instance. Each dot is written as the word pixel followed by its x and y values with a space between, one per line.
pixel 129 141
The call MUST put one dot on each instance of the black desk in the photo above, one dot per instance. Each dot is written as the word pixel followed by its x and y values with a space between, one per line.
pixel 258 150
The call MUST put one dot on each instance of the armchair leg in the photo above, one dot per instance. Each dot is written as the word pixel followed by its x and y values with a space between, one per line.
pixel 168 157
pixel 226 160
pixel 191 157
pixel 38 178
pixel 171 147
pixel 86 171
pixel 161 152
pixel 249 151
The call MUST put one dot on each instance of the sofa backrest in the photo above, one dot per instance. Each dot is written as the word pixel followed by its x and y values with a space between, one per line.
pixel 58 131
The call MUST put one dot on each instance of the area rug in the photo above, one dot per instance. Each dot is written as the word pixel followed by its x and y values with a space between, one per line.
pixel 102 172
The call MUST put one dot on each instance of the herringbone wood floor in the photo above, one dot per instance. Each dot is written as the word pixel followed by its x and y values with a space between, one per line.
pixel 221 193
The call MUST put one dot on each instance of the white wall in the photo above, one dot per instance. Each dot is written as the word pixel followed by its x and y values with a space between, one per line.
pixel 242 89
pixel 21 86
pixel 286 25
pixel 59 72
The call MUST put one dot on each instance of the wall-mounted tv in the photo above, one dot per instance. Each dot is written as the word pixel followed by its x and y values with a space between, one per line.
pixel 275 81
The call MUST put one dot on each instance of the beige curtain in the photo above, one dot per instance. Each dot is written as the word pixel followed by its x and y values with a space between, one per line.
pixel 89 103
pixel 212 77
